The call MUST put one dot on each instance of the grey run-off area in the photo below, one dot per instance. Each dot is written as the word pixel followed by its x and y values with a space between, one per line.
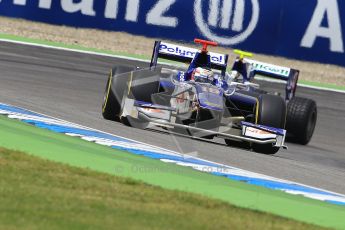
pixel 70 86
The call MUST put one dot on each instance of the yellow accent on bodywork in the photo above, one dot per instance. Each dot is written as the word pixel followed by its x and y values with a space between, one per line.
pixel 130 83
pixel 108 90
pixel 243 54
pixel 257 111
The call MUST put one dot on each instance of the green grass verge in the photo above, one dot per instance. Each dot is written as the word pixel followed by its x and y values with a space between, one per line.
pixel 76 152
pixel 322 85
pixel 39 194
pixel 141 57
pixel 69 46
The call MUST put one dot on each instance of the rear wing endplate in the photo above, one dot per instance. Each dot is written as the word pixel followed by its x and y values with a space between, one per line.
pixel 277 72
pixel 185 54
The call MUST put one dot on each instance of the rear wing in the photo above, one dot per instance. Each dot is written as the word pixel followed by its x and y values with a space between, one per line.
pixel 185 54
pixel 278 72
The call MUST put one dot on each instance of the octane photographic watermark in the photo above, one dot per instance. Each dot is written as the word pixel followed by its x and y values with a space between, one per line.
pixel 147 169
pixel 166 169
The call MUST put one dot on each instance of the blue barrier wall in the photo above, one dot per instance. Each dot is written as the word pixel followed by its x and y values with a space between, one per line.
pixel 301 29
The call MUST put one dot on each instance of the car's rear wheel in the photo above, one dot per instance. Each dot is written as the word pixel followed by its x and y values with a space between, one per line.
pixel 271 112
pixel 301 120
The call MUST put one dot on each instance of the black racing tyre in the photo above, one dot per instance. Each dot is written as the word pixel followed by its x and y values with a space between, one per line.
pixel 141 86
pixel 301 120
pixel 141 90
pixel 237 144
pixel 112 100
pixel 271 112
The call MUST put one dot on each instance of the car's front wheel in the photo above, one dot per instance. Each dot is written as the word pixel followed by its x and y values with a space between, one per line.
pixel 271 112
pixel 113 94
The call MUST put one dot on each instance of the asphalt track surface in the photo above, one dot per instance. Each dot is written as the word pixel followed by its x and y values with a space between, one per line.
pixel 70 86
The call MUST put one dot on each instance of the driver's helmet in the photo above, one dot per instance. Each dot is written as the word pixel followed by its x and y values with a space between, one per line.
pixel 203 75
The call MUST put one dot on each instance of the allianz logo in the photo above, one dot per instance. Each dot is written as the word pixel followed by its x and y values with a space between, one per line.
pixel 111 9
pixel 227 15
pixel 227 20
pixel 188 52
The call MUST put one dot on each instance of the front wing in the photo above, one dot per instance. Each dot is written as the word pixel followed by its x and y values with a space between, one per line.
pixel 164 116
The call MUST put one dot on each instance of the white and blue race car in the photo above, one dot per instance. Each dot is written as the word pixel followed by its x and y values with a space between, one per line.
pixel 205 101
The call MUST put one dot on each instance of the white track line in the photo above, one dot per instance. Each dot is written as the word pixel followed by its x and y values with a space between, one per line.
pixel 139 60
pixel 145 61
pixel 177 153
pixel 300 85
pixel 78 51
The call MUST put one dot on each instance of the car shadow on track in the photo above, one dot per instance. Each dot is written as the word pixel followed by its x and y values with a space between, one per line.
pixel 234 144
